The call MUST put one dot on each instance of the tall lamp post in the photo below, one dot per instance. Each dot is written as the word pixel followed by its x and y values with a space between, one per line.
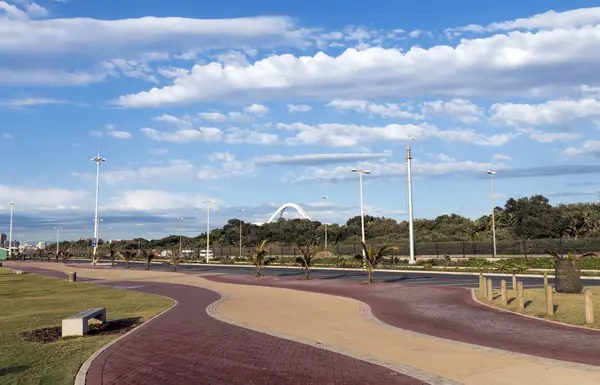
pixel 57 239
pixel 411 233
pixel 362 207
pixel 12 204
pixel 241 211
pixel 491 174
pixel 98 160
pixel 180 235
pixel 139 237
pixel 325 198
pixel 208 202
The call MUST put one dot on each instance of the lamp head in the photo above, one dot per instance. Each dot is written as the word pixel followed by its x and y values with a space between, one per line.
pixel 367 172
pixel 491 172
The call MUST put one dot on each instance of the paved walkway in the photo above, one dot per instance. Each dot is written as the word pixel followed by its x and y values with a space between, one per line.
pixel 336 323
pixel 451 313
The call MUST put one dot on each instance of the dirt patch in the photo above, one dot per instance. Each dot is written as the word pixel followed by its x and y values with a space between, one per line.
pixel 52 334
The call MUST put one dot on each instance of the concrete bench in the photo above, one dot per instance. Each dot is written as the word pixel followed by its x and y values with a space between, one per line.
pixel 77 325
pixel 18 271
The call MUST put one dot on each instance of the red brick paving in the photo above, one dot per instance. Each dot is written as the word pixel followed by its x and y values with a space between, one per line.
pixel 451 313
pixel 187 346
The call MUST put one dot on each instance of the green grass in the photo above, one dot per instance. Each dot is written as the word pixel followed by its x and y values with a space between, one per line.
pixel 569 307
pixel 31 302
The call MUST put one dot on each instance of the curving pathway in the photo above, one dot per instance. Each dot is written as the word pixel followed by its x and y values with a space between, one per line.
pixel 451 313
pixel 344 325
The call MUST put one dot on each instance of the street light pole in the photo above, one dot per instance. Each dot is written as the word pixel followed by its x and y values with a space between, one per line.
pixel 325 218
pixel 241 211
pixel 139 237
pixel 491 174
pixel 180 235
pixel 57 239
pixel 12 204
pixel 98 160
pixel 411 234
pixel 208 226
pixel 362 208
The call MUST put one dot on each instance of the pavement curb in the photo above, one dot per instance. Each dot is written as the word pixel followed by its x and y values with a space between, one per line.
pixel 212 310
pixel 474 297
pixel 81 377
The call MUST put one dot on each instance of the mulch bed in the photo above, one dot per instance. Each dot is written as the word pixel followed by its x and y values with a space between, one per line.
pixel 53 334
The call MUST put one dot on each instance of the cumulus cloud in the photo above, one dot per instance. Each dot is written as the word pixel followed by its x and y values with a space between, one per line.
pixel 318 159
pixel 224 165
pixel 458 109
pixel 38 198
pixel 513 65
pixel 551 112
pixel 30 102
pixel 388 110
pixel 298 108
pixel 588 148
pixel 206 134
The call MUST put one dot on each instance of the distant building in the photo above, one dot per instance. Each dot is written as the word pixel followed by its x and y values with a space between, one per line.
pixel 3 239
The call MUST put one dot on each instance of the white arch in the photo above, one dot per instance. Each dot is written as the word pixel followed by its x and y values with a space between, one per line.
pixel 288 205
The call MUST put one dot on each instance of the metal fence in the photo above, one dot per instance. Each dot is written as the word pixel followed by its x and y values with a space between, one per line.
pixel 512 248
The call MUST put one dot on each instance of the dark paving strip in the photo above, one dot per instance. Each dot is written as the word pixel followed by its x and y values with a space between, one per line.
pixel 451 313
pixel 46 272
pixel 187 346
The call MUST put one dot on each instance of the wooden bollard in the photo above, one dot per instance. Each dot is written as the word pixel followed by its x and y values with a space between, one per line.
pixel 489 292
pixel 482 286
pixel 589 307
pixel 520 296
pixel 72 276
pixel 545 280
pixel 549 303
pixel 504 294
pixel 514 281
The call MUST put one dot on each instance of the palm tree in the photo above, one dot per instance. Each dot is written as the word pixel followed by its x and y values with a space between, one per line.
pixel 126 256
pixel 372 258
pixel 260 258
pixel 148 256
pixel 65 255
pixel 175 258
pixel 309 252
pixel 112 254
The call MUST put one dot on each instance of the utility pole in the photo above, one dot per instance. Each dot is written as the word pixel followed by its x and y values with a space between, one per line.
pixel 362 210
pixel 180 236
pixel 208 202
pixel 57 239
pixel 411 233
pixel 491 174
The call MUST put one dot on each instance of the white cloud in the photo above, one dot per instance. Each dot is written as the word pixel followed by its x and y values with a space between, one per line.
pixel 416 33
pixel 38 198
pixel 443 157
pixel 548 20
pixel 588 148
pixel 213 116
pixel 552 112
pixel 388 110
pixel 257 110
pixel 347 135
pixel 385 170
pixel 501 158
pixel 158 151
pixel 29 102
pixel 47 77
pixel 28 9
pixel 174 169
pixel 115 38
pixel 7 136
pixel 153 200
pixel 225 166
pixel 550 137
pixel 114 133
pixel 236 135
pixel 298 108
pixel 315 159
pixel 501 65
pixel 207 134
pixel 458 109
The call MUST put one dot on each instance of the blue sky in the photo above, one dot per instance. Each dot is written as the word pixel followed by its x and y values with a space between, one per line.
pixel 257 105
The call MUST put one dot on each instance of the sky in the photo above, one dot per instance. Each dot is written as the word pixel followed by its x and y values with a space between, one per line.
pixel 256 104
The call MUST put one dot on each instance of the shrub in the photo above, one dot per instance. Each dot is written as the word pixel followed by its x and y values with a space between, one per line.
pixel 476 262
pixel 510 266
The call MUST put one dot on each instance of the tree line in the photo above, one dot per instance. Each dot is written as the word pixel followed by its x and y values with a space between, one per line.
pixel 523 218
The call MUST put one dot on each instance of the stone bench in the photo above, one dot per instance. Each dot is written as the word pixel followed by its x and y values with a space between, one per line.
pixel 77 325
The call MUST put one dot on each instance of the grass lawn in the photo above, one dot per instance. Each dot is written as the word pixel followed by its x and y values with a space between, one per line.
pixel 568 308
pixel 30 302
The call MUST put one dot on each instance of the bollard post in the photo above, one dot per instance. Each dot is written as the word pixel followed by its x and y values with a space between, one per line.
pixel 514 281
pixel 549 303
pixel 482 286
pixel 520 296
pixel 504 294
pixel 72 276
pixel 545 280
pixel 490 293
pixel 589 307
